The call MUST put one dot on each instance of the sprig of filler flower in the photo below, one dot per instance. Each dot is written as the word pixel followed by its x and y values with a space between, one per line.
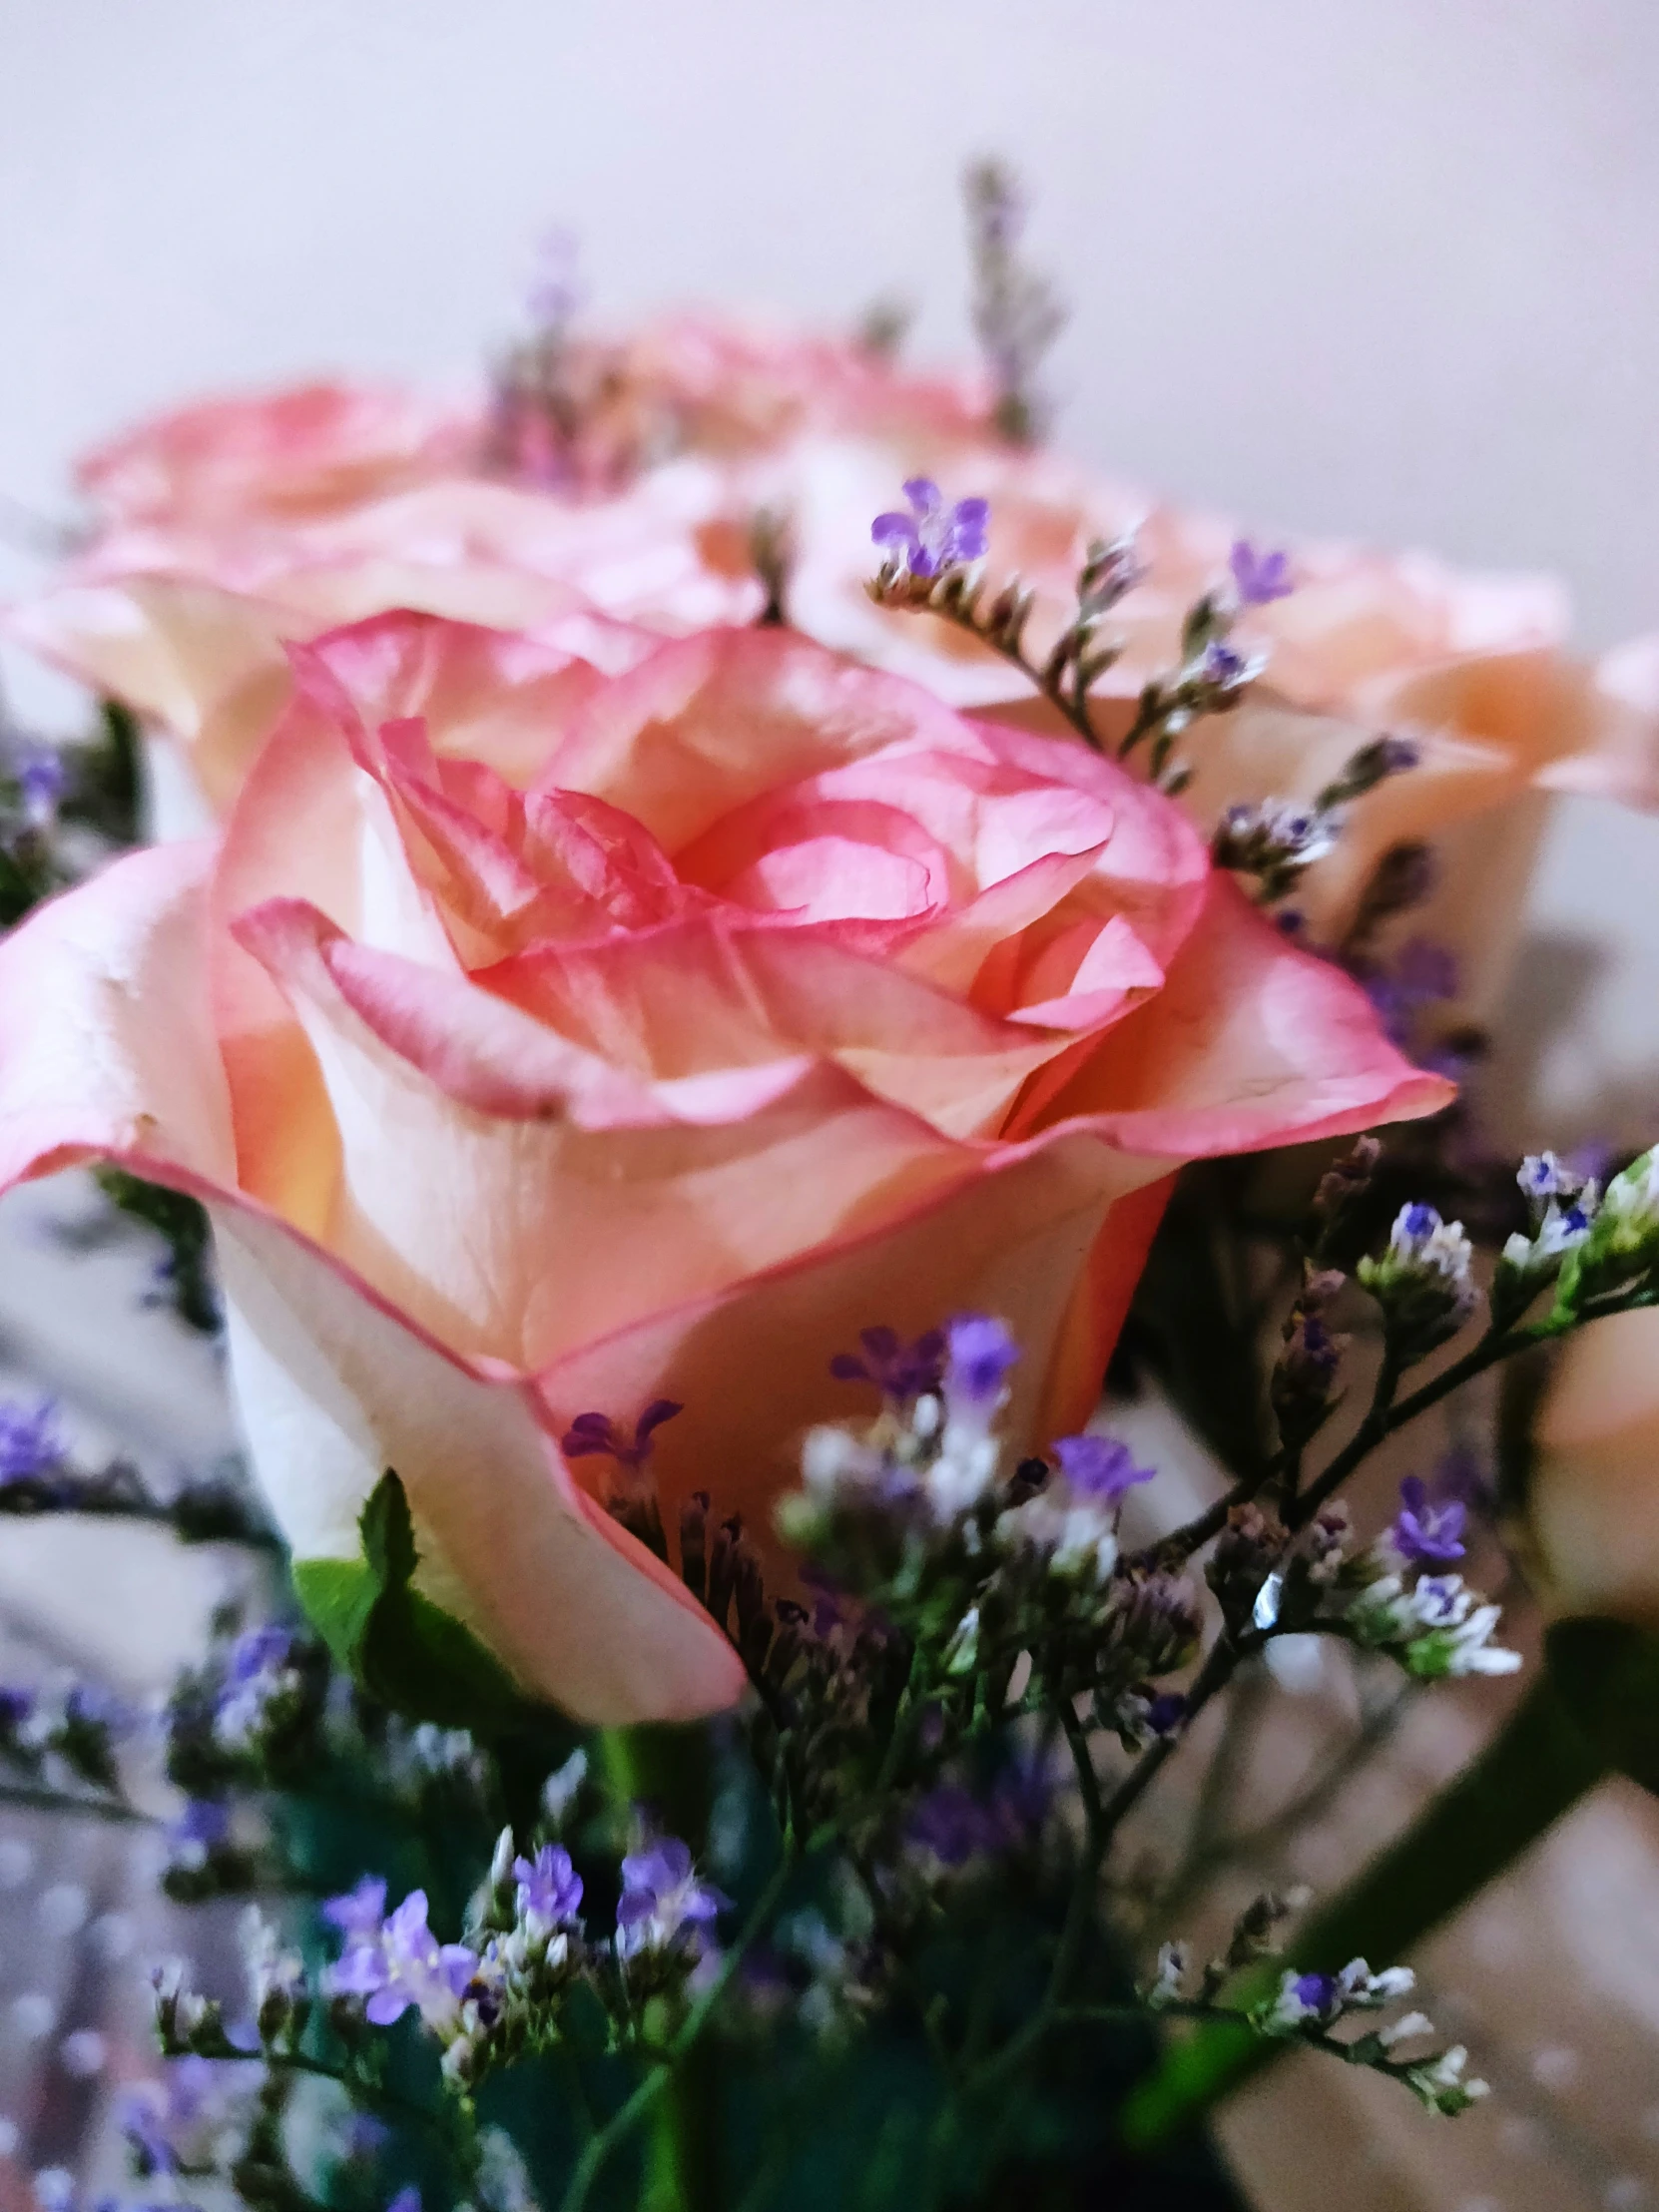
pixel 931 555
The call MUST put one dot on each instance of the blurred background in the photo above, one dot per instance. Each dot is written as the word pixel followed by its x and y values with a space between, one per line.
pixel 1376 272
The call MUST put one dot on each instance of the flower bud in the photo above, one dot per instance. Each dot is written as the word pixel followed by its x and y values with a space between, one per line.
pixel 1623 1242
pixel 1422 1282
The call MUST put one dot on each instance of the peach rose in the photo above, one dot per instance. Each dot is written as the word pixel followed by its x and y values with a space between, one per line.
pixel 545 1049
pixel 188 626
pixel 303 450
pixel 1593 1501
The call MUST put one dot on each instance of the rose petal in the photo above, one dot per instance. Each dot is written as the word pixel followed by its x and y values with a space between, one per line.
pixel 334 1388
pixel 1250 1043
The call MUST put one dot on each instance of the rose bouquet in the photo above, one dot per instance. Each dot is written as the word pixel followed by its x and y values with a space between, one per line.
pixel 713 988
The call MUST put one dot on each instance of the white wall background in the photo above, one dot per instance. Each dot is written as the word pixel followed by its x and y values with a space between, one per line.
pixel 1379 268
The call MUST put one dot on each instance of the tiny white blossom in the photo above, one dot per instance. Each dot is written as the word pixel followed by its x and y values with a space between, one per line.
pixel 1165 1987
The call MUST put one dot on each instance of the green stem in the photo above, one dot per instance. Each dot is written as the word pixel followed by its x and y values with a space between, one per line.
pixel 371 2092
pixel 1079 1913
pixel 616 2132
pixel 42 1800
pixel 681 2164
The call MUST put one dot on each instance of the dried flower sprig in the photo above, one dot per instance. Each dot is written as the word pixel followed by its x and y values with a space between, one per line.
pixel 937 574
pixel 1017 314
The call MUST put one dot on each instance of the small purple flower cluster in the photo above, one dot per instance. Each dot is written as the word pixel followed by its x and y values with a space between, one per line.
pixel 902 1372
pixel 1427 1530
pixel 32 1442
pixel 663 1905
pixel 931 537
pixel 394 1962
pixel 954 1825
pixel 593 1435
pixel 1259 577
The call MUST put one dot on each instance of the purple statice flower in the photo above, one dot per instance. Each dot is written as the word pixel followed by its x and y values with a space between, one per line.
pixel 900 1372
pixel 203 1827
pixel 1422 974
pixel 1315 1993
pixel 258 1673
pixel 662 1902
pixel 953 1826
pixel 555 296
pixel 1395 756
pixel 407 2199
pixel 258 1651
pixel 404 1965
pixel 31 1443
pixel 176 2121
pixel 956 1825
pixel 1144 1715
pixel 358 1914
pixel 931 537
pixel 980 1352
pixel 1259 577
pixel 362 2137
pixel 1317 1347
pixel 17 1706
pixel 140 2116
pixel 41 780
pixel 593 1435
pixel 90 1705
pixel 1426 1530
pixel 1224 666
pixel 549 1887
pixel 1101 1468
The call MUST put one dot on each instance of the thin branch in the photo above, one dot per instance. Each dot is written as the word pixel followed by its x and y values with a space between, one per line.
pixel 29 1799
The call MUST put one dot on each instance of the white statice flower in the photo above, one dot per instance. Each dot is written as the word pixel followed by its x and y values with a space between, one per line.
pixel 1078 1538
pixel 1073 1518
pixel 1629 1215
pixel 1422 1241
pixel 1165 1987
pixel 1563 1205
pixel 1441 2083
pixel 562 1788
pixel 836 1460
pixel 1438 1626
pixel 275 1974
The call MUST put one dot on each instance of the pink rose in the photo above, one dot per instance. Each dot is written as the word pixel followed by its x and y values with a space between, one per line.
pixel 188 626
pixel 544 1045
pixel 300 451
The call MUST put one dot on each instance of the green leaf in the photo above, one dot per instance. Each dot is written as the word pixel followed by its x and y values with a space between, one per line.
pixel 1544 1759
pixel 405 1651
